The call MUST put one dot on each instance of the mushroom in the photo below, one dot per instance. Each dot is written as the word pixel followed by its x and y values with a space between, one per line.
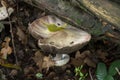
pixel 61 59
pixel 63 41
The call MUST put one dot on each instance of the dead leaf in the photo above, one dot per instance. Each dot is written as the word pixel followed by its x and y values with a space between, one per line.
pixel 112 35
pixel 77 62
pixel 51 75
pixel 6 49
pixel 38 58
pixel 102 55
pixel 28 69
pixel 13 72
pixel 22 36
pixel 77 55
pixel 47 62
pixel 7 39
pixel 43 61
pixel 86 53
pixel 89 62
pixel 83 58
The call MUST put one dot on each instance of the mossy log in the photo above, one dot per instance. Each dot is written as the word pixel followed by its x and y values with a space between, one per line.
pixel 71 12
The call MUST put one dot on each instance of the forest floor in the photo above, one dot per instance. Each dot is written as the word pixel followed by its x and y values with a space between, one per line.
pixel 23 63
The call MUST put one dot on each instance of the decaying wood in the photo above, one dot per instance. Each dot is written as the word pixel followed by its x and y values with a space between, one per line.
pixel 75 16
pixel 104 9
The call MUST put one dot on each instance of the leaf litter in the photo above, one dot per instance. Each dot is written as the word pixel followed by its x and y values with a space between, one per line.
pixel 83 58
pixel 43 61
pixel 6 49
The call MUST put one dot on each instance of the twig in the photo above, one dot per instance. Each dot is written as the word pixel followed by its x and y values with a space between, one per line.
pixel 14 50
pixel 12 36
pixel 90 74
pixel 117 70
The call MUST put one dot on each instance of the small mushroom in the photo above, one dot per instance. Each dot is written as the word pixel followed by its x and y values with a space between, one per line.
pixel 57 37
pixel 61 59
pixel 63 41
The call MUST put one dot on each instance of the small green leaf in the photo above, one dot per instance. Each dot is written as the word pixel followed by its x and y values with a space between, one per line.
pixel 101 71
pixel 108 77
pixel 53 27
pixel 39 75
pixel 81 67
pixel 81 74
pixel 113 65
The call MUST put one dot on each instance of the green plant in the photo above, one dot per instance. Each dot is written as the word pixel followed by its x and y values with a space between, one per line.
pixel 79 73
pixel 39 75
pixel 103 74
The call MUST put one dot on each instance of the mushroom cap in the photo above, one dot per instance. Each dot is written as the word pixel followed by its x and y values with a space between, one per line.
pixel 64 41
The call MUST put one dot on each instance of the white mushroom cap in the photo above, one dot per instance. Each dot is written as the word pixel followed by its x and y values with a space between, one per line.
pixel 64 41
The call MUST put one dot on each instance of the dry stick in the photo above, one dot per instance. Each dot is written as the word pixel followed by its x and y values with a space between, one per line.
pixel 117 70
pixel 90 74
pixel 11 32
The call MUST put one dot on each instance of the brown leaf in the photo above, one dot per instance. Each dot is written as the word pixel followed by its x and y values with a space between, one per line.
pixel 102 55
pixel 112 35
pixel 6 48
pixel 7 39
pixel 47 62
pixel 38 58
pixel 43 61
pixel 22 36
pixel 79 59
pixel 51 75
pixel 82 55
pixel 77 55
pixel 77 62
pixel 13 72
pixel 28 69
pixel 83 58
pixel 89 62
pixel 86 53
pixel 5 51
